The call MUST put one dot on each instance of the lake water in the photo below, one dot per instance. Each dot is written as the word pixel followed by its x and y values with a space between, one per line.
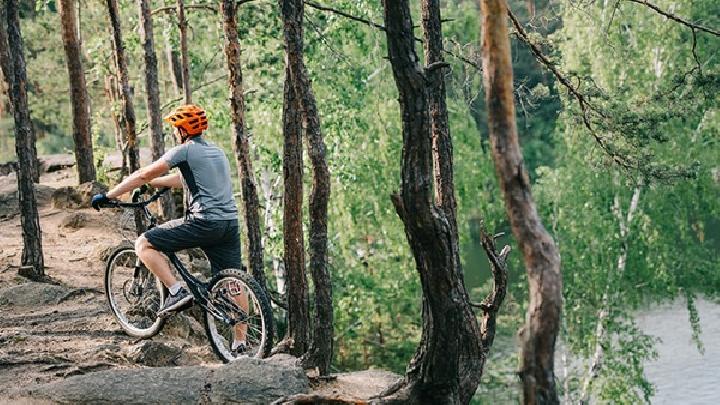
pixel 681 374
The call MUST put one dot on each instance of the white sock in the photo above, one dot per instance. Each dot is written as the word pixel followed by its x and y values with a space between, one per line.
pixel 175 288
pixel 237 343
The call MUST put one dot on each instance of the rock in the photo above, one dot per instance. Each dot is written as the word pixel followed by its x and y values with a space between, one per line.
pixel 357 386
pixel 113 160
pixel 154 354
pixel 77 197
pixel 74 220
pixel 284 359
pixel 33 294
pixel 185 327
pixel 242 381
pixel 56 162
pixel 9 202
pixel 88 190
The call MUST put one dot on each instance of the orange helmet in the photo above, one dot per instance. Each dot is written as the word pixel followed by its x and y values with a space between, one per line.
pixel 189 117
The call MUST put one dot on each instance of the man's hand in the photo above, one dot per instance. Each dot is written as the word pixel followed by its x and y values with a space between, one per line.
pixel 98 200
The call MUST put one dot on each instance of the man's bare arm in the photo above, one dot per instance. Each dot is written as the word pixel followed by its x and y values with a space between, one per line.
pixel 140 177
pixel 171 180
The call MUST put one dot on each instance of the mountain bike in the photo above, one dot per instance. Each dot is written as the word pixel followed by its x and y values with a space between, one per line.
pixel 231 300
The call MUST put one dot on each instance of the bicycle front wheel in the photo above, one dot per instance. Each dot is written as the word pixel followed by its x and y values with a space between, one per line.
pixel 133 293
pixel 239 297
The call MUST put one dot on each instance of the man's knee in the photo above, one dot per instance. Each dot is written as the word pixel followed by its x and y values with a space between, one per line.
pixel 142 245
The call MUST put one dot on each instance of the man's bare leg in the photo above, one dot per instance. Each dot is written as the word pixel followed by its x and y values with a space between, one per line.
pixel 241 328
pixel 155 261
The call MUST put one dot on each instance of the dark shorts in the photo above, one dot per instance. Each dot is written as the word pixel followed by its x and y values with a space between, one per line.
pixel 220 240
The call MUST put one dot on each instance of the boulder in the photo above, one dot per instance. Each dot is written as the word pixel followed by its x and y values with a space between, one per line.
pixel 33 294
pixel 186 327
pixel 56 162
pixel 242 381
pixel 9 201
pixel 77 196
pixel 154 354
pixel 74 220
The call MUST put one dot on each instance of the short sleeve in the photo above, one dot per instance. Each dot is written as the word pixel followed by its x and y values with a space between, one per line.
pixel 175 156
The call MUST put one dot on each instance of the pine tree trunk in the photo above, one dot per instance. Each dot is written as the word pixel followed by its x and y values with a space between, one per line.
pixel 82 130
pixel 182 21
pixel 32 255
pixel 152 88
pixel 296 338
pixel 128 112
pixel 241 144
pixel 174 67
pixel 542 261
pixel 7 64
pixel 442 142
pixel 448 363
pixel 320 353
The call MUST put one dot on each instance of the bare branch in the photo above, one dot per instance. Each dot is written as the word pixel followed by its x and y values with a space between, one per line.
pixel 676 18
pixel 189 6
pixel 382 28
pixel 491 303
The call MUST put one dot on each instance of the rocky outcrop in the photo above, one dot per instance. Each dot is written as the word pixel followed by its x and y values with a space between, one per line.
pixel 77 196
pixel 33 294
pixel 242 381
pixel 9 203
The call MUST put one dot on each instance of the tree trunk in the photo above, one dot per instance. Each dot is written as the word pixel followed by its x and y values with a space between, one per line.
pixel 596 363
pixel 174 66
pixel 182 22
pixel 128 112
pixel 448 363
pixel 320 354
pixel 542 261
pixel 296 338
pixel 32 255
pixel 442 142
pixel 242 145
pixel 111 95
pixel 82 131
pixel 7 64
pixel 152 88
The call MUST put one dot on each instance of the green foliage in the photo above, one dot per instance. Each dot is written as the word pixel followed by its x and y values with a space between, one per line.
pixel 656 103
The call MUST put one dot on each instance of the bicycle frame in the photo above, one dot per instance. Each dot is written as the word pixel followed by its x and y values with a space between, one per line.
pixel 197 287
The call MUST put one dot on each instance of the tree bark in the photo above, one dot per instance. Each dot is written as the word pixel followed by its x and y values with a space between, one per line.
pixel 82 129
pixel 7 64
pixel 296 338
pixel 441 140
pixel 128 112
pixel 174 66
pixel 448 363
pixel 241 145
pixel 542 261
pixel 32 255
pixel 320 353
pixel 152 89
pixel 182 22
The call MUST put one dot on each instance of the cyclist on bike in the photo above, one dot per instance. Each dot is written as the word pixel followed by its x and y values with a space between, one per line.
pixel 211 221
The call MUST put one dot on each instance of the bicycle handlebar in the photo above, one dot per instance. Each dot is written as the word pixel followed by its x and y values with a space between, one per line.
pixel 139 204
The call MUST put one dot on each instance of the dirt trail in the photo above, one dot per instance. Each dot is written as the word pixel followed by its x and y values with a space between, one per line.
pixel 50 332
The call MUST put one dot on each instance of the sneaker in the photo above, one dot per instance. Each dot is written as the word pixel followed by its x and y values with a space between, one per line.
pixel 239 350
pixel 176 302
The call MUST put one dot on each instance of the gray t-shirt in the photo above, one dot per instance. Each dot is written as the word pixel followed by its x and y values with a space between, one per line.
pixel 206 179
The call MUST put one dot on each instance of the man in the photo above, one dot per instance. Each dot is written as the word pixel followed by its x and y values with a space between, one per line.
pixel 211 221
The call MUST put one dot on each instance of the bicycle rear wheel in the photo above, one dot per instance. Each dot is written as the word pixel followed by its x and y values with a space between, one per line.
pixel 234 292
pixel 133 293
